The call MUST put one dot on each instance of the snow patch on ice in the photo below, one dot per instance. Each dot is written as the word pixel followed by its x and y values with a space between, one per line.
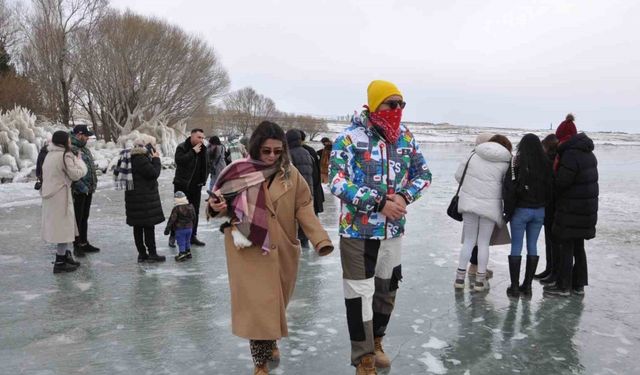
pixel 83 286
pixel 433 364
pixel 435 343
pixel 497 356
pixel 519 336
pixel 416 328
pixel 454 361
pixel 26 296
pixel 478 320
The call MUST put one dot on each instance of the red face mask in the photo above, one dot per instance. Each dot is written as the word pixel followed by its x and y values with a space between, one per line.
pixel 389 122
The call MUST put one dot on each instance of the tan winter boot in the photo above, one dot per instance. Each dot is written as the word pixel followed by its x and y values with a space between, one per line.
pixel 367 365
pixel 262 370
pixel 382 360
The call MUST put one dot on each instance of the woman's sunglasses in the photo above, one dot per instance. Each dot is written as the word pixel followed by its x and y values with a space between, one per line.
pixel 395 104
pixel 268 151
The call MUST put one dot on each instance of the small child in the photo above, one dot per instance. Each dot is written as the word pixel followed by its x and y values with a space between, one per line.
pixel 181 220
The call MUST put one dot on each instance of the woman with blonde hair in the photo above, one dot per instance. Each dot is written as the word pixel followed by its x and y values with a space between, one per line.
pixel 265 199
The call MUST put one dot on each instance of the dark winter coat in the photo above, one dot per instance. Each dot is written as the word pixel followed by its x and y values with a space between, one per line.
pixel 191 168
pixel 142 204
pixel 318 193
pixel 301 159
pixel 182 216
pixel 537 191
pixel 576 189
pixel 216 160
pixel 88 183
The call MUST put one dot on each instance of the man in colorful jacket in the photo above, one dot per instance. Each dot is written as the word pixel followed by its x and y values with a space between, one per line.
pixel 83 189
pixel 376 170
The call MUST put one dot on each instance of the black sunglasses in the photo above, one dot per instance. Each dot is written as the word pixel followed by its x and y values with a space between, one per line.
pixel 395 104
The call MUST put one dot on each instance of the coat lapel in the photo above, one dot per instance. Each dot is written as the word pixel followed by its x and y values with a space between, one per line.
pixel 276 191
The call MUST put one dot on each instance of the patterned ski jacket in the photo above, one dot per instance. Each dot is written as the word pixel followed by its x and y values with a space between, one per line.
pixel 88 183
pixel 364 169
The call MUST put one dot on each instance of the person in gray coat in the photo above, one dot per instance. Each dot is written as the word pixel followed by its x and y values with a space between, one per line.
pixel 301 159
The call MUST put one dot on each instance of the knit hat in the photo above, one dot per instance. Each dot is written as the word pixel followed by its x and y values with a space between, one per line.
pixel 60 138
pixel 378 91
pixel 566 130
pixel 180 198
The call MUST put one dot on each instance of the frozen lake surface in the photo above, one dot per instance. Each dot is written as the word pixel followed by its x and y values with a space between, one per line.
pixel 114 316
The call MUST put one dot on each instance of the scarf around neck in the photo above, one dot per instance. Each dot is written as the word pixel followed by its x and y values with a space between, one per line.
pixel 241 182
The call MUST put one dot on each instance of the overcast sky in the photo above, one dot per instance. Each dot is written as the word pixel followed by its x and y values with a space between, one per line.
pixel 504 63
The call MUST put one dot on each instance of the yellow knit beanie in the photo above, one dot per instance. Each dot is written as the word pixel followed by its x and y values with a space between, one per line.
pixel 378 91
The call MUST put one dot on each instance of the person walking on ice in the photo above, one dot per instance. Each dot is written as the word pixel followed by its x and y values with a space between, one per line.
pixel 377 170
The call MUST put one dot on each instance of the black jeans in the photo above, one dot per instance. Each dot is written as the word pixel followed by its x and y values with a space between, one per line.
pixel 573 264
pixel 145 236
pixel 81 207
pixel 193 194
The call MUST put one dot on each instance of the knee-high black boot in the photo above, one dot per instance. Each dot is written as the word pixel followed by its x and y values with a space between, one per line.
pixel 514 273
pixel 532 264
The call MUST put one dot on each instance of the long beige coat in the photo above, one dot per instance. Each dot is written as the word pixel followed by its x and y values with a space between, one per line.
pixel 262 285
pixel 58 218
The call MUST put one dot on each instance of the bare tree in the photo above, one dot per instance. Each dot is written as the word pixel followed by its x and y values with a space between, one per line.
pixel 312 126
pixel 9 29
pixel 134 68
pixel 245 109
pixel 50 30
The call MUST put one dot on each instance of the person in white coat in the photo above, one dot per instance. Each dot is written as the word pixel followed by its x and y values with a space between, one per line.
pixel 480 204
pixel 60 168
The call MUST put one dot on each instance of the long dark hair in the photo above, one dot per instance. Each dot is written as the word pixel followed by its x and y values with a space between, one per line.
pixel 550 146
pixel 531 165
pixel 61 138
pixel 270 130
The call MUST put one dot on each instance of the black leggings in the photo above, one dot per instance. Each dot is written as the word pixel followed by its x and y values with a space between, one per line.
pixel 145 236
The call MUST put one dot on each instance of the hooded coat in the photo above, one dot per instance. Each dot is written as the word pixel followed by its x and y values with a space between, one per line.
pixel 142 204
pixel 576 189
pixel 58 217
pixel 481 191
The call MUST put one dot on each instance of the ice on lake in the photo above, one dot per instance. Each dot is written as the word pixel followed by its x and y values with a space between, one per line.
pixel 114 316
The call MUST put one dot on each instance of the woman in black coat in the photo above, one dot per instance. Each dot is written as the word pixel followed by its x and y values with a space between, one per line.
pixel 142 202
pixel 576 194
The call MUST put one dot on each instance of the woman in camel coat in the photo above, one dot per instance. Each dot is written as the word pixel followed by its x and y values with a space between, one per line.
pixel 60 168
pixel 262 272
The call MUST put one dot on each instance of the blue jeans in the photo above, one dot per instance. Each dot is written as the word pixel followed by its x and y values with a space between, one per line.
pixel 183 238
pixel 529 220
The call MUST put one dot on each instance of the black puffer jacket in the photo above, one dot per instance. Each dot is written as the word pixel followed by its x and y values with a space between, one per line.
pixel 318 193
pixel 576 189
pixel 191 168
pixel 142 204
pixel 300 157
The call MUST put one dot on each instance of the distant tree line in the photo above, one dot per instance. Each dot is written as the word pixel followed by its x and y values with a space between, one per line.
pixel 80 59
